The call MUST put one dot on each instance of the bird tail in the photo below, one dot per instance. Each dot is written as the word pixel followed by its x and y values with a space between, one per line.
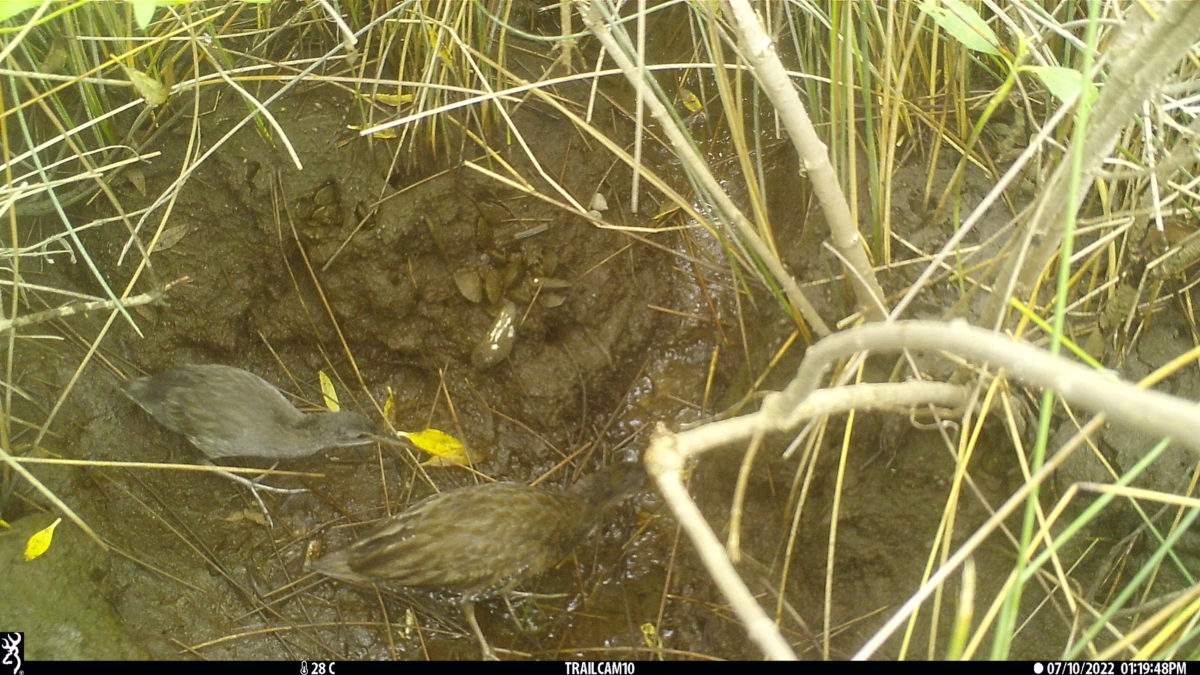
pixel 336 565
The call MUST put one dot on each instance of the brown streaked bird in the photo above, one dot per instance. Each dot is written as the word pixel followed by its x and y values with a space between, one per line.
pixel 482 540
pixel 229 412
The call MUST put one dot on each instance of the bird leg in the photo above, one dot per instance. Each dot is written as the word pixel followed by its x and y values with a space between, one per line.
pixel 468 610
pixel 254 486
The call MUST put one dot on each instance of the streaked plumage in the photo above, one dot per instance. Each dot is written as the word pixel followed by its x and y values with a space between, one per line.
pixel 481 540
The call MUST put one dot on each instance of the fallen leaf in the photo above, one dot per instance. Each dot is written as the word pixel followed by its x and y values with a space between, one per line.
pixel 444 447
pixel 149 88
pixel 40 541
pixel 171 236
pixel 690 100
pixel 252 515
pixel 389 406
pixel 137 179
pixel 394 100
pixel 386 133
pixel 329 392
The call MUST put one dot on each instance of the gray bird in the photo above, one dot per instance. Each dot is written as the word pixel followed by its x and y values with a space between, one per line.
pixel 228 412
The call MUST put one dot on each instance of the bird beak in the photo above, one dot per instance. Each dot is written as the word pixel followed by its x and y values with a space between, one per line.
pixel 388 439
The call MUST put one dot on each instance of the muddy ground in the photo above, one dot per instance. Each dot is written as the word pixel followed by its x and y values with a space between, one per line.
pixel 349 267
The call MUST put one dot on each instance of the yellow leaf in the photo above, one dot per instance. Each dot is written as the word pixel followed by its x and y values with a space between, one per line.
pixel 56 58
pixel 650 636
pixel 40 541
pixel 666 211
pixel 442 463
pixel 253 515
pixel 386 133
pixel 328 391
pixel 410 622
pixel 441 445
pixel 436 41
pixel 690 100
pixel 394 100
pixel 149 88
pixel 643 518
pixel 389 406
